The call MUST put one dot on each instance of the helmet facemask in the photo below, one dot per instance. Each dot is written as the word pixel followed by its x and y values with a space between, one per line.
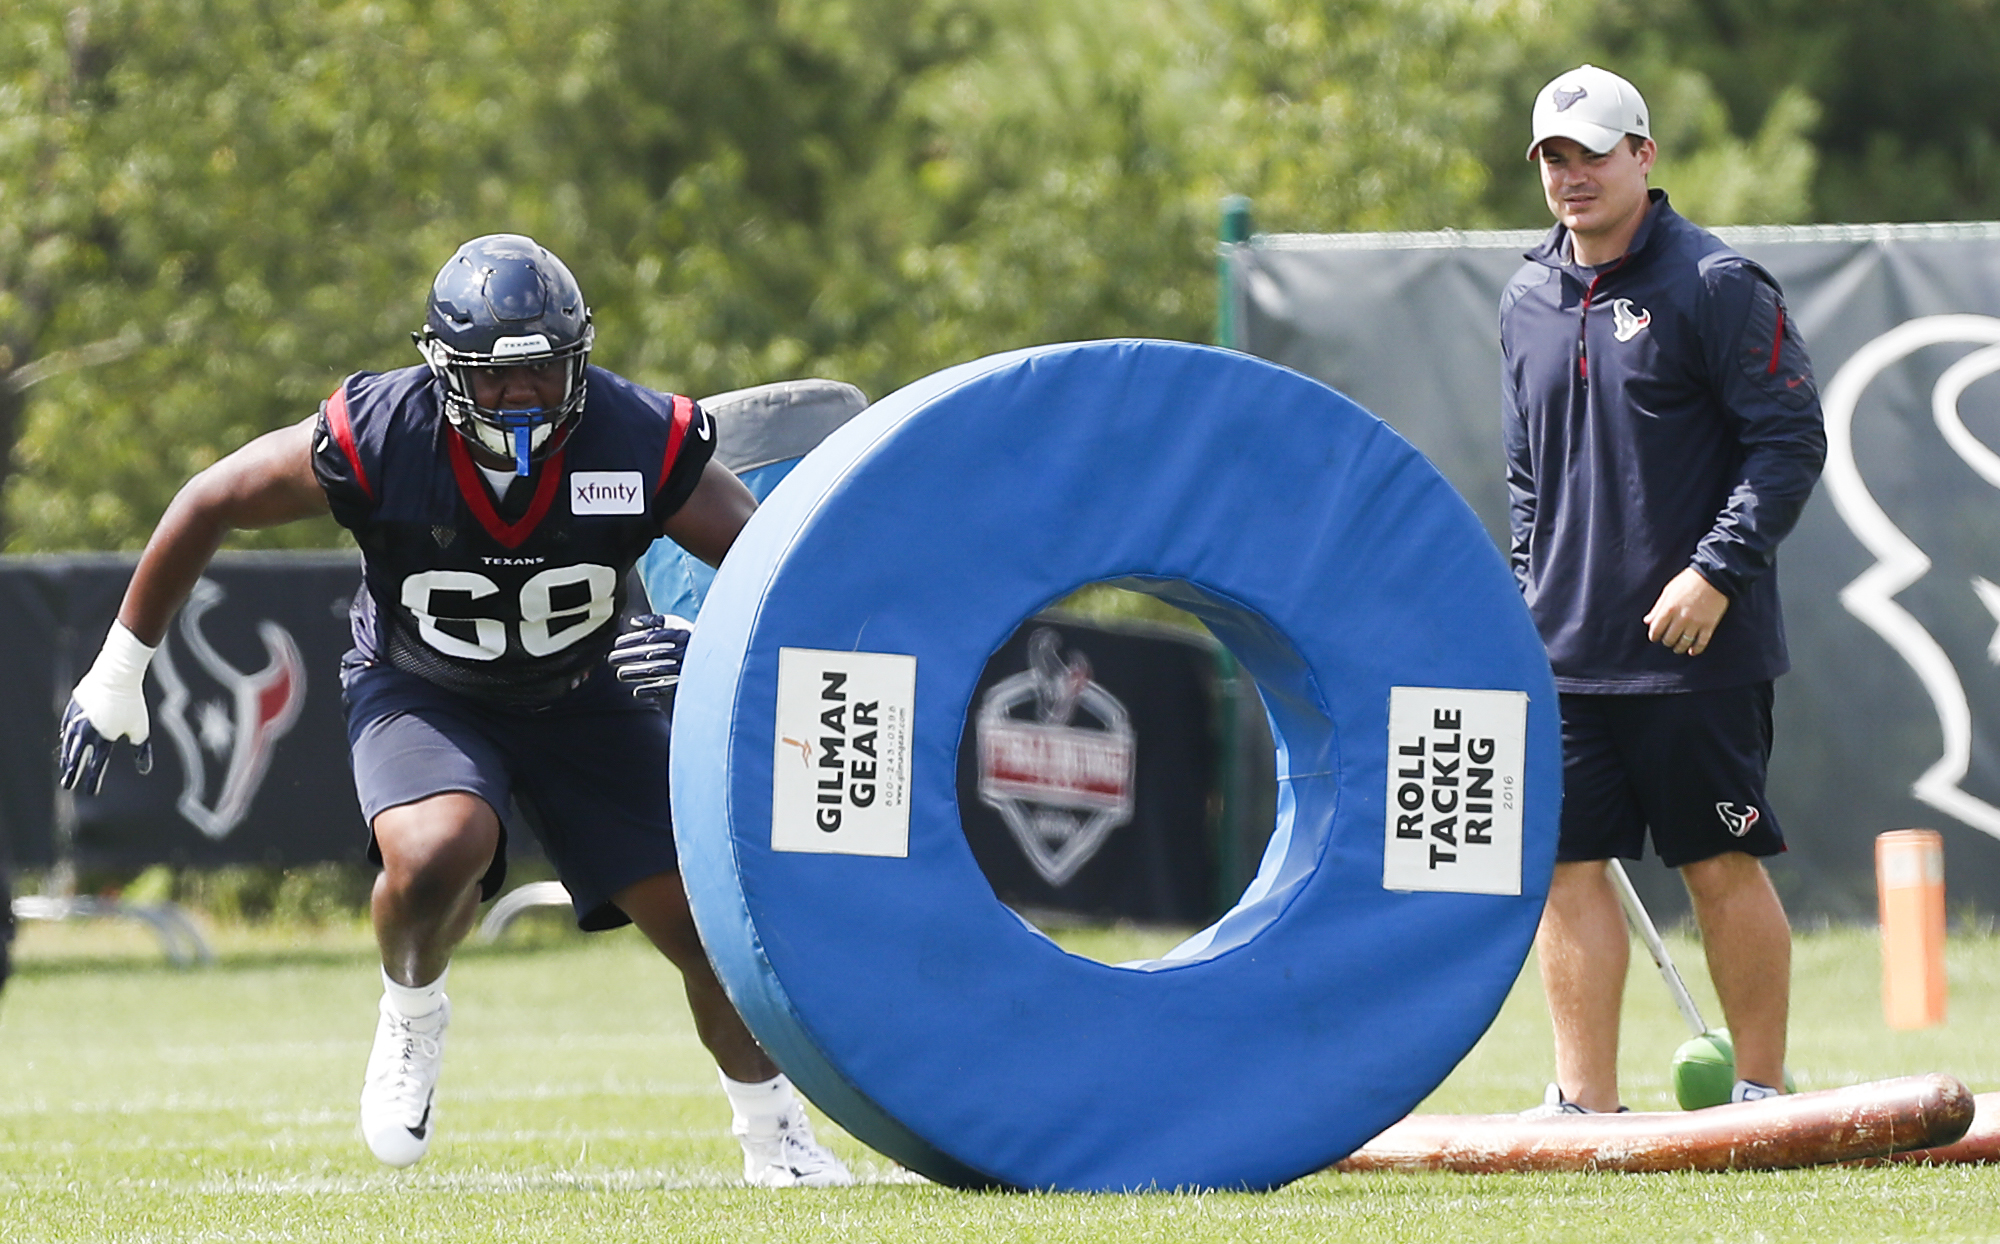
pixel 522 436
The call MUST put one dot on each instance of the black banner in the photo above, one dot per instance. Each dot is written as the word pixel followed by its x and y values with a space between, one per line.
pixel 249 748
pixel 1888 718
pixel 1104 772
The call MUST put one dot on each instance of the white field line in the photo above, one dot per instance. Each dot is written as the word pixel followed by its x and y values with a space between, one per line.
pixel 612 1085
pixel 197 1053
pixel 209 1103
pixel 621 1180
pixel 267 1141
pixel 491 1182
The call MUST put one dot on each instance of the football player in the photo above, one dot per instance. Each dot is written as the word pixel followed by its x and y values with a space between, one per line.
pixel 500 492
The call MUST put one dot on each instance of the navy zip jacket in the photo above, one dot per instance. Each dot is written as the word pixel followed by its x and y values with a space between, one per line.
pixel 1660 414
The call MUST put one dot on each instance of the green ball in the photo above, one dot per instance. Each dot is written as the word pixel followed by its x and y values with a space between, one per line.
pixel 1705 1070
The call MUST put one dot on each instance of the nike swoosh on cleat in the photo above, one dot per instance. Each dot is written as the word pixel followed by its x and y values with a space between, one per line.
pixel 423 1124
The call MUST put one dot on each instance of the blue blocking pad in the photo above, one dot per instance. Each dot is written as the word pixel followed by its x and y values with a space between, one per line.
pixel 814 766
pixel 676 580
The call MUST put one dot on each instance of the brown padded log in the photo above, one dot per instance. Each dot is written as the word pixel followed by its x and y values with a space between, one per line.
pixel 1981 1142
pixel 1803 1129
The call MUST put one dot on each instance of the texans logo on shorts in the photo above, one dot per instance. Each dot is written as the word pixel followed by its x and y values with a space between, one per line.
pixel 1737 820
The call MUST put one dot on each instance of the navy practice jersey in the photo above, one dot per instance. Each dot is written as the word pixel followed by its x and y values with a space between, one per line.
pixel 1659 414
pixel 511 601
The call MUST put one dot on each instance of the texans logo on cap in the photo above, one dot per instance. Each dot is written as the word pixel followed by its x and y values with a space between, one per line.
pixel 1566 98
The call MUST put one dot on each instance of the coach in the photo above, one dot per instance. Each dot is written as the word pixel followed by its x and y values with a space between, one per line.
pixel 1662 434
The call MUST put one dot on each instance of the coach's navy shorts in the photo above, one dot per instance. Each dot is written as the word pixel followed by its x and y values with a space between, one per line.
pixel 587 774
pixel 1690 766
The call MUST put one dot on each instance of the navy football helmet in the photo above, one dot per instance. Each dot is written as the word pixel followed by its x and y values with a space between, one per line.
pixel 503 301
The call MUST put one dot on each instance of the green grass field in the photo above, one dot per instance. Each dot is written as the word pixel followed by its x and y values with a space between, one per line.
pixel 141 1103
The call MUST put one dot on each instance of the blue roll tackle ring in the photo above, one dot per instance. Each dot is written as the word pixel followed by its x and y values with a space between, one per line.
pixel 815 749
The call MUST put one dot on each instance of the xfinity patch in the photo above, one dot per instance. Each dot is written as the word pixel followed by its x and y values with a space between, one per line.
pixel 607 492
pixel 840 772
pixel 1456 760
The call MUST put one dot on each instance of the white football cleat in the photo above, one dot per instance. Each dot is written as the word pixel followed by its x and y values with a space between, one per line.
pixel 789 1157
pixel 401 1087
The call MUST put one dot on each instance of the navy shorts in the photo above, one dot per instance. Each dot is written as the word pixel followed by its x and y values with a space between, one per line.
pixel 587 774
pixel 1689 766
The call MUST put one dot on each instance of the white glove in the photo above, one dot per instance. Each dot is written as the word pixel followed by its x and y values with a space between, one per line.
pixel 108 704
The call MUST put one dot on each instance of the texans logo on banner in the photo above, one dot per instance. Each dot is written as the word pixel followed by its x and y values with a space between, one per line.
pixel 1061 784
pixel 225 723
pixel 1928 624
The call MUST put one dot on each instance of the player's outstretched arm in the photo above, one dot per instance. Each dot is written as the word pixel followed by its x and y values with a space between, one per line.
pixel 267 482
pixel 707 523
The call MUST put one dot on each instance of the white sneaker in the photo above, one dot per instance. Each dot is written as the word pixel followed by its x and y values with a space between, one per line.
pixel 790 1157
pixel 1555 1106
pixel 401 1087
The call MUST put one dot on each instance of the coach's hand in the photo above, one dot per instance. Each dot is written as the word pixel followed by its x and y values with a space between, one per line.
pixel 108 705
pixel 1685 616
pixel 648 656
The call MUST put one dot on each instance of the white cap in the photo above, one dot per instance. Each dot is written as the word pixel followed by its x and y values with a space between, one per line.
pixel 1594 106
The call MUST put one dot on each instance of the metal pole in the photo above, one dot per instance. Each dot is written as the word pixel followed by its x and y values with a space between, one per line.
pixel 1235 231
pixel 61 882
pixel 1642 924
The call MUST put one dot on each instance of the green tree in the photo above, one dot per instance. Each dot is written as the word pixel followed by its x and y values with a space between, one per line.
pixel 1363 115
pixel 211 210
pixel 222 238
pixel 225 205
pixel 1369 115
pixel 1896 95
